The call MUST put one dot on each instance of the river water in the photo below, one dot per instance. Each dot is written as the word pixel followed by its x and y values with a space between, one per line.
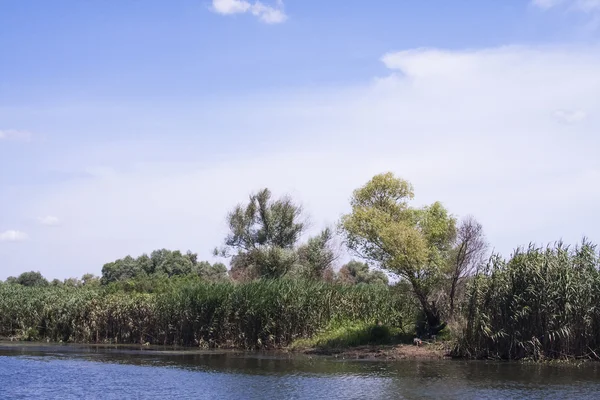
pixel 31 371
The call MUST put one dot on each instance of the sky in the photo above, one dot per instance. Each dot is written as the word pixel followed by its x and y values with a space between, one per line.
pixel 128 126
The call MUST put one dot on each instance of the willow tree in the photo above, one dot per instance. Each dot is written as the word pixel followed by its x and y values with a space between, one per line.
pixel 413 242
pixel 316 256
pixel 263 235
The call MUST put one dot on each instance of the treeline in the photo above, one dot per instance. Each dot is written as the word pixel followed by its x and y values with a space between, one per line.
pixel 540 303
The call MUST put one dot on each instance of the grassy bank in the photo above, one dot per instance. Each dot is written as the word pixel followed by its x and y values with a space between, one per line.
pixel 260 314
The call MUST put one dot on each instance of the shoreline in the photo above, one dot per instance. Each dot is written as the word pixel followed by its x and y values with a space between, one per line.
pixel 365 352
pixel 389 352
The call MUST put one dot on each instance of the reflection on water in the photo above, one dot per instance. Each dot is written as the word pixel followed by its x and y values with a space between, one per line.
pixel 63 372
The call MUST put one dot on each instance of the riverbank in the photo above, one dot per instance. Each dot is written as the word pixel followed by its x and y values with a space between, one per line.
pixel 396 352
pixel 384 352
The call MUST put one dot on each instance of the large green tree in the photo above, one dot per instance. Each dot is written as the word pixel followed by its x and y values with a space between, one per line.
pixel 413 242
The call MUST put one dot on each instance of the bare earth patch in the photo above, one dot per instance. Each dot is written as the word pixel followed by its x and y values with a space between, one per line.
pixel 388 352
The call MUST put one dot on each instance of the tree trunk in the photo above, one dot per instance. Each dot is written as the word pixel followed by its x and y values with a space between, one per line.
pixel 432 314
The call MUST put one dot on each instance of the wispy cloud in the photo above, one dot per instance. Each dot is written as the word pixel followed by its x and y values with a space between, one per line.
pixel 570 116
pixel 13 236
pixel 588 9
pixel 546 4
pixel 586 6
pixel 266 13
pixel 49 220
pixel 14 134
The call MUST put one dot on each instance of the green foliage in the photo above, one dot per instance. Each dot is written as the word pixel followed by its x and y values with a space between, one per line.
pixel 264 222
pixel 162 262
pixel 120 270
pixel 316 256
pixel 216 272
pixel 542 303
pixel 264 234
pixel 356 272
pixel 341 335
pixel 189 311
pixel 31 278
pixel 411 242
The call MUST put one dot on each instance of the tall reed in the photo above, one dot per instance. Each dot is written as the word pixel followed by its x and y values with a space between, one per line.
pixel 542 303
pixel 195 313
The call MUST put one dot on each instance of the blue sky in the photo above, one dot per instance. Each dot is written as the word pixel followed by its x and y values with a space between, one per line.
pixel 127 126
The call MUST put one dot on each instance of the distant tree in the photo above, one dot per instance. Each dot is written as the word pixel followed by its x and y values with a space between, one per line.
pixel 172 263
pixel 90 280
pixel 262 236
pixel 316 257
pixel 73 282
pixel 11 280
pixel 147 264
pixel 56 282
pixel 356 272
pixel 119 270
pixel 213 273
pixel 469 252
pixel 161 262
pixel 32 278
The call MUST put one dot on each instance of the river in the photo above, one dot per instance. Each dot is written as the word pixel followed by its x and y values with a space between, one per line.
pixel 35 371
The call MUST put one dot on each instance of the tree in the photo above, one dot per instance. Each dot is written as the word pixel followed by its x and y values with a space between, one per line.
pixel 31 278
pixel 56 282
pixel 411 242
pixel 119 270
pixel 90 280
pixel 213 273
pixel 160 262
pixel 12 280
pixel 356 272
pixel 263 233
pixel 173 263
pixel 73 282
pixel 316 257
pixel 469 252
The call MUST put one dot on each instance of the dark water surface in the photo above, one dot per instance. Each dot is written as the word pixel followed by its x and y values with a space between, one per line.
pixel 83 372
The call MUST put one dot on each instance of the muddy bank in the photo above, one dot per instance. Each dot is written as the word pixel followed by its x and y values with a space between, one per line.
pixel 435 351
pixel 384 352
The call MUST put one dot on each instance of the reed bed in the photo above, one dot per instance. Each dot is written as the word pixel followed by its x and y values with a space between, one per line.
pixel 542 303
pixel 260 314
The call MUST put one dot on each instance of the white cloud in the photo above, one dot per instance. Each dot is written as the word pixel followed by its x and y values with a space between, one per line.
pixel 13 236
pixel 570 116
pixel 227 7
pixel 13 134
pixel 475 129
pixel 267 14
pixel 49 220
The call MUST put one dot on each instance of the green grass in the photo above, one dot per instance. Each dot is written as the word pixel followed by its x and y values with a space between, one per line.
pixel 352 334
